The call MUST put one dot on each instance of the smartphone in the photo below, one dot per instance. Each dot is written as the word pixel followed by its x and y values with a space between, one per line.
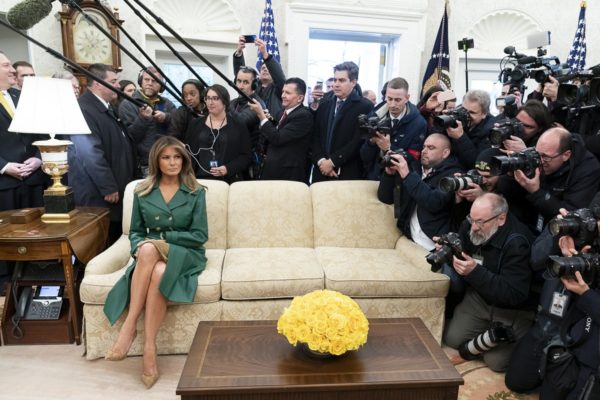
pixel 319 85
pixel 446 95
pixel 249 38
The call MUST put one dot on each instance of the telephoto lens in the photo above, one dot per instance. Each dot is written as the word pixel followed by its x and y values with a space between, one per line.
pixel 485 341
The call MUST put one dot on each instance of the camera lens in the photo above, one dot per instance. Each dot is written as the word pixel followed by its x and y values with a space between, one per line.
pixel 564 226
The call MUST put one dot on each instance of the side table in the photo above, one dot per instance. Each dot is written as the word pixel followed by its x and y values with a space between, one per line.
pixel 84 237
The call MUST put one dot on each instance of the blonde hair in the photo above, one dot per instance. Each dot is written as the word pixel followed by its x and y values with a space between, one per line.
pixel 186 175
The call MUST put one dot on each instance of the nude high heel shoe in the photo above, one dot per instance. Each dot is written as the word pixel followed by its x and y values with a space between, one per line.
pixel 150 380
pixel 112 355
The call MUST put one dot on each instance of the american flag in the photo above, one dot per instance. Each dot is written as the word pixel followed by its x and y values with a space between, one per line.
pixel 576 59
pixel 267 33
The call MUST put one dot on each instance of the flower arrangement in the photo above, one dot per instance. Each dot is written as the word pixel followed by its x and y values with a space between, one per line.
pixel 326 321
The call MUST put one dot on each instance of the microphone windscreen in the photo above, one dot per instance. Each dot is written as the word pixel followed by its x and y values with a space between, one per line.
pixel 27 13
pixel 527 60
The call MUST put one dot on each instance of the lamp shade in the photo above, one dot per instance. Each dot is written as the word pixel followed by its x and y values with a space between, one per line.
pixel 48 106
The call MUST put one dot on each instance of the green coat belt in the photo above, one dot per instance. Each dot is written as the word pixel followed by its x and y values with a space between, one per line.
pixel 183 225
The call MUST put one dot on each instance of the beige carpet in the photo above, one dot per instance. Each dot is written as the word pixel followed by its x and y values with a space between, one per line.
pixel 51 372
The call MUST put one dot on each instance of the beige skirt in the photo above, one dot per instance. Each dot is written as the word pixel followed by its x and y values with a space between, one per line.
pixel 161 245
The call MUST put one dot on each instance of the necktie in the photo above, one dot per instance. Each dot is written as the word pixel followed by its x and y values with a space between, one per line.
pixel 6 104
pixel 394 123
pixel 283 117
pixel 338 105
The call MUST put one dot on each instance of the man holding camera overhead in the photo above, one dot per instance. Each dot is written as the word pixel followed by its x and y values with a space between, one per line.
pixel 567 177
pixel 494 266
pixel 422 209
pixel 469 140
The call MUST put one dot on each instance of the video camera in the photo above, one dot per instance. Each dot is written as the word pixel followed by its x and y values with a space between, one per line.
pixel 368 125
pixel 459 182
pixel 451 246
pixel 581 225
pixel 588 265
pixel 526 160
pixel 450 119
pixel 504 129
pixel 386 160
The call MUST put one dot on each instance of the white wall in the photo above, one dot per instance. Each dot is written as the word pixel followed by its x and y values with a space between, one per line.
pixel 215 25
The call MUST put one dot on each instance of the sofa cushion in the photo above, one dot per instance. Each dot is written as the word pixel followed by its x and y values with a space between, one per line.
pixel 348 214
pixel 216 210
pixel 270 273
pixel 269 214
pixel 378 273
pixel 95 288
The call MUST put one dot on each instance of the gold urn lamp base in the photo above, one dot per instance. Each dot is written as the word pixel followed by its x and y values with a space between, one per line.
pixel 59 201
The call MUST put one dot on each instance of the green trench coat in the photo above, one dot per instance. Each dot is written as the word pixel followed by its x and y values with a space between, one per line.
pixel 183 225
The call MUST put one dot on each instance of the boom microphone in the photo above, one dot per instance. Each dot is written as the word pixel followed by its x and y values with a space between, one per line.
pixel 26 14
pixel 29 12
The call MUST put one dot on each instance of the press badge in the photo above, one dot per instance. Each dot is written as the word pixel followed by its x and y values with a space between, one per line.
pixel 559 304
pixel 213 163
pixel 478 259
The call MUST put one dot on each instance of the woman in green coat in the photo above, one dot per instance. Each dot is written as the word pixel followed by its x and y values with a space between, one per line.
pixel 167 234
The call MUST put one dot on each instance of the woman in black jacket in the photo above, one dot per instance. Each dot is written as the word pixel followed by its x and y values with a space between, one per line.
pixel 218 143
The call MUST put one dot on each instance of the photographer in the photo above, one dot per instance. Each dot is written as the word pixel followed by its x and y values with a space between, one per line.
pixel 561 351
pixel 408 129
pixel 569 179
pixel 495 267
pixel 468 141
pixel 536 119
pixel 271 77
pixel 503 185
pixel 430 107
pixel 422 209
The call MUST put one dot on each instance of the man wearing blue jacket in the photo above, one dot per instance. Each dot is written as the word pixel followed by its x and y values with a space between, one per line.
pixel 408 129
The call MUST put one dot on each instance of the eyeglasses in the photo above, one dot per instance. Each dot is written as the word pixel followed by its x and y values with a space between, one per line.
pixel 547 159
pixel 215 98
pixel 481 223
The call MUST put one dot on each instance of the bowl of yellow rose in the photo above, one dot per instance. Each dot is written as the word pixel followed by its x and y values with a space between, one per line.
pixel 324 322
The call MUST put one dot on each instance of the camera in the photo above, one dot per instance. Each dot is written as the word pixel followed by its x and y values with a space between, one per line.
pixel 386 160
pixel 586 263
pixel 504 130
pixel 497 333
pixel 451 246
pixel 459 182
pixel 581 225
pixel 526 160
pixel 450 119
pixel 368 125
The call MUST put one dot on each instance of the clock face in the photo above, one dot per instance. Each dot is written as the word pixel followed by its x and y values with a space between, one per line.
pixel 90 44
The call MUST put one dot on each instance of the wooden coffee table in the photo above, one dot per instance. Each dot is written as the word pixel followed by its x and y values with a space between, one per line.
pixel 250 360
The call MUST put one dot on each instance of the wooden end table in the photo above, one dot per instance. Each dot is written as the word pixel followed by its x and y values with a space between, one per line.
pixel 250 360
pixel 83 237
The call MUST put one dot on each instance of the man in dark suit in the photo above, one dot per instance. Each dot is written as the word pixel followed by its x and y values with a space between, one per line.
pixel 22 181
pixel 287 142
pixel 101 164
pixel 336 139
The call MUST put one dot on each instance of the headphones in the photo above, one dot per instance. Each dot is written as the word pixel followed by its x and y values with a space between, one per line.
pixel 155 72
pixel 255 80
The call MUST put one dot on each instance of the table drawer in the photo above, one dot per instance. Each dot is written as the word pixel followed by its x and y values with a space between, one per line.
pixel 30 251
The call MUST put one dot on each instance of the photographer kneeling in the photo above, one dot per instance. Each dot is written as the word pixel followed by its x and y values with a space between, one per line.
pixel 495 268
pixel 562 350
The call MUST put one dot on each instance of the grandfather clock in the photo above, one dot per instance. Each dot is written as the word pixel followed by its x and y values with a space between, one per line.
pixel 84 43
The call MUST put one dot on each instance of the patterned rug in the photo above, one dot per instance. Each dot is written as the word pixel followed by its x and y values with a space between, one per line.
pixel 481 383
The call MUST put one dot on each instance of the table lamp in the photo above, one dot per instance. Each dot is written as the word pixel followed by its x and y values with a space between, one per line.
pixel 48 106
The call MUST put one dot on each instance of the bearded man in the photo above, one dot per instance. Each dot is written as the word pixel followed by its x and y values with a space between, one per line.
pixel 494 266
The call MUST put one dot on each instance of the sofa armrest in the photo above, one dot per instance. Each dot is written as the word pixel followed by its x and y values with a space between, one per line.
pixel 414 253
pixel 112 259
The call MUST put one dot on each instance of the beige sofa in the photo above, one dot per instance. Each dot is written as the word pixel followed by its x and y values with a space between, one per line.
pixel 270 241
